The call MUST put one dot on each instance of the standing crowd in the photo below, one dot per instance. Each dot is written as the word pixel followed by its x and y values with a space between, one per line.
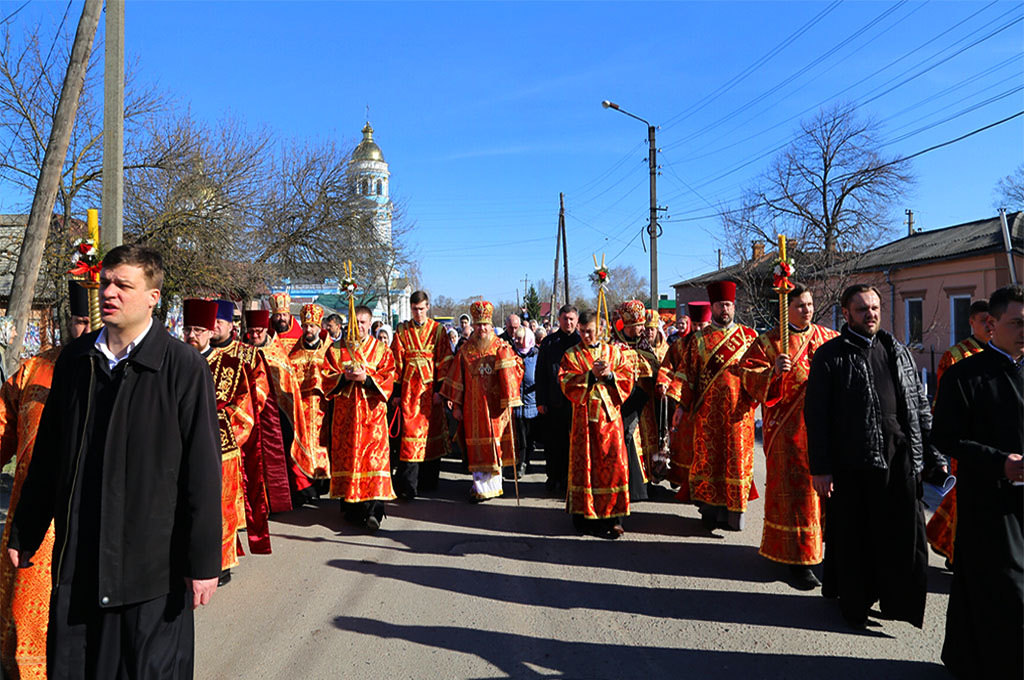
pixel 141 459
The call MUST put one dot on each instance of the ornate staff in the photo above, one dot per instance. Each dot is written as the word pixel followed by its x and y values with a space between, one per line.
pixel 782 285
pixel 349 285
pixel 86 267
pixel 600 279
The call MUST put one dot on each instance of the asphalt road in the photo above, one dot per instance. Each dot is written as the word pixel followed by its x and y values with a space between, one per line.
pixel 447 589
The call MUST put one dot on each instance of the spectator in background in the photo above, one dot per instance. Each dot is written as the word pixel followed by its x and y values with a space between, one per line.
pixel 512 324
pixel 533 325
pixel 384 333
pixel 539 335
pixel 551 401
pixel 453 338
pixel 334 326
pixel 525 415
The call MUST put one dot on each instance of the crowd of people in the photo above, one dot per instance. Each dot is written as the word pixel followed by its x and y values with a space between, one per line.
pixel 141 459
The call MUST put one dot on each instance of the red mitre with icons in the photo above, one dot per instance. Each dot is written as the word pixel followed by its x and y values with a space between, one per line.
pixel 699 312
pixel 280 303
pixel 722 291
pixel 199 313
pixel 311 315
pixel 257 318
pixel 481 311
pixel 632 313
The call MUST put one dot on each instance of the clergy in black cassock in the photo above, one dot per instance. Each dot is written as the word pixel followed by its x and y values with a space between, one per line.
pixel 979 420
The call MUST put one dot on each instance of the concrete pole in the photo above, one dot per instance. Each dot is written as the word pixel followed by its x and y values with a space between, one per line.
pixel 653 227
pixel 112 233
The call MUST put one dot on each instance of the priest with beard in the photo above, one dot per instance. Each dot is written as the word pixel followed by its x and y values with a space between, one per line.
pixel 979 420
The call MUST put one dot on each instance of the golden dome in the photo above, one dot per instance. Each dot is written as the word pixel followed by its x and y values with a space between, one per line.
pixel 367 149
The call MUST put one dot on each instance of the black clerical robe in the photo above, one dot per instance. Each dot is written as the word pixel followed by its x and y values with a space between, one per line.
pixel 979 420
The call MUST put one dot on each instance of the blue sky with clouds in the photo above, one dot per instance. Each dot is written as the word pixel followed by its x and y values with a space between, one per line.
pixel 486 111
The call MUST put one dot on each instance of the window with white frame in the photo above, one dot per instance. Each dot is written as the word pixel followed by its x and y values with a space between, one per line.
pixel 914 325
pixel 959 316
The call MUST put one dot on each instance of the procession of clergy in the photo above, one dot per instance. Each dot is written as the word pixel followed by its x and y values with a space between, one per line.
pixel 303 412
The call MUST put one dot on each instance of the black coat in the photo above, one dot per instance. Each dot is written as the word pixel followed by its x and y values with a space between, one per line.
pixel 160 492
pixel 979 420
pixel 549 358
pixel 843 414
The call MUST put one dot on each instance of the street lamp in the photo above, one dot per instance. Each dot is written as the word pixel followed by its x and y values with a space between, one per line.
pixel 652 227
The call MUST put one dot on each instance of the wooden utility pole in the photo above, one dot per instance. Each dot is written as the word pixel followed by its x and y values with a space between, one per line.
pixel 558 247
pixel 565 248
pixel 27 271
pixel 113 126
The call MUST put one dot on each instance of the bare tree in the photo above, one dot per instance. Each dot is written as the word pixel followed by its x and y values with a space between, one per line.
pixel 832 193
pixel 1010 191
pixel 31 75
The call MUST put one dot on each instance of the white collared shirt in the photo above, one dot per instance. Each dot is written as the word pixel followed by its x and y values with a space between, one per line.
pixel 870 341
pixel 113 361
pixel 1016 362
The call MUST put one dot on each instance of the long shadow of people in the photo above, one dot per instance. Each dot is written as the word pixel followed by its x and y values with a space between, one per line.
pixel 523 656
pixel 765 609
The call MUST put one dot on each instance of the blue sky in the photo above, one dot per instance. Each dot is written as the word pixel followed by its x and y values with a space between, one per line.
pixel 486 111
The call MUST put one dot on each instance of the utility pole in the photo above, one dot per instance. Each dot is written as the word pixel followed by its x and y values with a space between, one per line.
pixel 910 222
pixel 653 228
pixel 27 271
pixel 112 233
pixel 719 258
pixel 565 248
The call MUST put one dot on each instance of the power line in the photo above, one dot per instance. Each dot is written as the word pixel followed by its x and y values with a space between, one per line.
pixel 15 12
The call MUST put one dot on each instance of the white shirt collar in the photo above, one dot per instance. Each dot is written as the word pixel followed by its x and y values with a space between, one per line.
pixel 870 341
pixel 112 361
pixel 1015 361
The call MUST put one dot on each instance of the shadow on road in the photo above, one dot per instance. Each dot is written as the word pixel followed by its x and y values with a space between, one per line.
pixel 766 609
pixel 522 656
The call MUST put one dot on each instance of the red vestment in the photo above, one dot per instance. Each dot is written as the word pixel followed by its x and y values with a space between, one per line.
pixel 423 358
pixel 242 390
pixel 297 464
pixel 647 361
pixel 308 365
pixel 792 510
pixel 24 593
pixel 721 472
pixel 941 528
pixel 484 382
pixel 360 462
pixel 598 461
pixel 681 436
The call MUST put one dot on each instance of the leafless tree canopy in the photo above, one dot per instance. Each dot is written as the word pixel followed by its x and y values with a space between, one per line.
pixel 1010 191
pixel 231 207
pixel 832 193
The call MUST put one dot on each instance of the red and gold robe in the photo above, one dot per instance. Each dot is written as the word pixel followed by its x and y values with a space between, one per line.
pixel 484 382
pixel 360 462
pixel 423 358
pixel 681 436
pixel 721 471
pixel 242 390
pixel 598 461
pixel 647 361
pixel 941 528
pixel 792 510
pixel 298 462
pixel 308 365
pixel 24 593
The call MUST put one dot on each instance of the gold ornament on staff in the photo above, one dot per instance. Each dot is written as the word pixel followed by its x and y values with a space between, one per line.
pixel 349 285
pixel 782 285
pixel 600 279
pixel 86 265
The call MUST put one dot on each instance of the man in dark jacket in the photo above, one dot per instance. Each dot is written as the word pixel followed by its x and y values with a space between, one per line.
pixel 127 463
pixel 868 424
pixel 551 402
pixel 979 420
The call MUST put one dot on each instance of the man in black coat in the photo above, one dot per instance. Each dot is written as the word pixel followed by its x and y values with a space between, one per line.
pixel 127 464
pixel 868 425
pixel 979 420
pixel 551 402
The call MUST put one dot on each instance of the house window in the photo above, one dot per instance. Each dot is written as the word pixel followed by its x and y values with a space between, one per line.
pixel 915 322
pixel 380 188
pixel 959 310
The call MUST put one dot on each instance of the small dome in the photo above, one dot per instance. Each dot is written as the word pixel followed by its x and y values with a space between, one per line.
pixel 367 149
